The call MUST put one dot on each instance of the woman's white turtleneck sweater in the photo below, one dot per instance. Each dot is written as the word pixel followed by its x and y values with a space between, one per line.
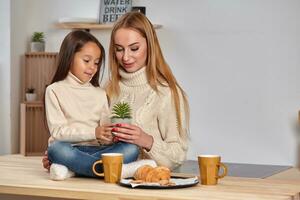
pixel 154 112
pixel 74 109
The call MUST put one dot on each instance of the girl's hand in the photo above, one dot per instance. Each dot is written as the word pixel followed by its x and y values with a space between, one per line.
pixel 133 134
pixel 103 134
pixel 46 162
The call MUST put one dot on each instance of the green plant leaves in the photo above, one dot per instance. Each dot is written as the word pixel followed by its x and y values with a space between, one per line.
pixel 121 110
pixel 38 37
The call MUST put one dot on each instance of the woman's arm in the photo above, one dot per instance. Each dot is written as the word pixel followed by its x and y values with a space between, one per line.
pixel 171 147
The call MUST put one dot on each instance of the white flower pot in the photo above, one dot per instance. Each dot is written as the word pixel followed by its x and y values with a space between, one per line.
pixel 37 47
pixel 30 96
pixel 120 121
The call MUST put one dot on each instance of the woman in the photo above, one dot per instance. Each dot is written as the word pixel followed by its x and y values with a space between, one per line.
pixel 140 76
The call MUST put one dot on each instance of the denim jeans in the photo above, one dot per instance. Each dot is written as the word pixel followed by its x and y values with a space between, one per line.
pixel 80 159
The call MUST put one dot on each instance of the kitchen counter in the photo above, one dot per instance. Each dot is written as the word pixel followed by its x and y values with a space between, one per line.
pixel 23 177
pixel 237 169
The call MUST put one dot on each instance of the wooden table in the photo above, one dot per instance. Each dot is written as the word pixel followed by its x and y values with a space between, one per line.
pixel 25 176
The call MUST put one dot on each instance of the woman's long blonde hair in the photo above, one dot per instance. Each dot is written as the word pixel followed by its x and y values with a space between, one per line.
pixel 158 71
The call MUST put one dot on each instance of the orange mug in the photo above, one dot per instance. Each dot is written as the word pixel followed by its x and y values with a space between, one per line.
pixel 112 167
pixel 209 166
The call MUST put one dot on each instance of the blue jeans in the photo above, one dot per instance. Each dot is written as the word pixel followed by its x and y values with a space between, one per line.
pixel 80 159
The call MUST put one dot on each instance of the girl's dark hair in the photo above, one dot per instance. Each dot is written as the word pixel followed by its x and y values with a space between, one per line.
pixel 72 44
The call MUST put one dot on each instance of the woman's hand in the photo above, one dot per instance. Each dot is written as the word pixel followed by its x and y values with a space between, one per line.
pixel 103 134
pixel 133 134
pixel 46 162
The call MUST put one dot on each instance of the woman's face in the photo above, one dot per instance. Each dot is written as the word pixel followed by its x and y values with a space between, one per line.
pixel 130 49
pixel 85 63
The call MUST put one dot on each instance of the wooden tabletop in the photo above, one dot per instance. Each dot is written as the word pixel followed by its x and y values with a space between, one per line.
pixel 25 176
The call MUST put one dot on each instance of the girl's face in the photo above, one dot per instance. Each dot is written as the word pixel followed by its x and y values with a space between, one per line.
pixel 85 63
pixel 130 49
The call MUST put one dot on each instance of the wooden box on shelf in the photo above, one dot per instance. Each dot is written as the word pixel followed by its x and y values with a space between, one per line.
pixel 37 73
pixel 33 132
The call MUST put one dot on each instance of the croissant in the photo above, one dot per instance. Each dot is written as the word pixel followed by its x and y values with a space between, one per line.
pixel 142 172
pixel 146 173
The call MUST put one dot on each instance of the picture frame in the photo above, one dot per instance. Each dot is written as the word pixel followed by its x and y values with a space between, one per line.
pixel 111 10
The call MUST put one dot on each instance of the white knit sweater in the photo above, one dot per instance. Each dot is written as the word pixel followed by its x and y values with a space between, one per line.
pixel 155 114
pixel 74 110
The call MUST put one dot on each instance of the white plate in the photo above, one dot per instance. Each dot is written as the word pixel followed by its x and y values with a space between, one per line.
pixel 180 182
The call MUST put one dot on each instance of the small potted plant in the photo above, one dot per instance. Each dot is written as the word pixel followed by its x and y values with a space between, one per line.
pixel 37 42
pixel 30 94
pixel 121 113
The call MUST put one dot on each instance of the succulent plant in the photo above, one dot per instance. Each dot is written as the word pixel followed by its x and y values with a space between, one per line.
pixel 121 110
pixel 30 90
pixel 38 37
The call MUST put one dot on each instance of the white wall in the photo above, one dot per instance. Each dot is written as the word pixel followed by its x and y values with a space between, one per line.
pixel 238 61
pixel 5 77
pixel 19 41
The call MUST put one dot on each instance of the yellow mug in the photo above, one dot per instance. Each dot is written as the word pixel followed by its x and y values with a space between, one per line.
pixel 112 167
pixel 209 166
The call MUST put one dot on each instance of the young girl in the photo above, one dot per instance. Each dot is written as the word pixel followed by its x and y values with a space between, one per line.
pixel 74 104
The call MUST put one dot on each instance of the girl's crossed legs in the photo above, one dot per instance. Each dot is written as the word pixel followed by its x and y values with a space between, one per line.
pixel 80 159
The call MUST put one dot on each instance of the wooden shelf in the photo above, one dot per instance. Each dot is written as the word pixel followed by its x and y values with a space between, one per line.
pixel 88 26
pixel 41 54
pixel 31 104
pixel 33 131
pixel 37 72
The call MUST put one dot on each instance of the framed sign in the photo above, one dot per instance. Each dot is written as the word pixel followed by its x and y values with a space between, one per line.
pixel 111 10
